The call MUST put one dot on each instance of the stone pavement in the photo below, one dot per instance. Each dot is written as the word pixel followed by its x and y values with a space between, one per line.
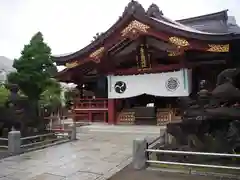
pixel 97 155
pixel 128 173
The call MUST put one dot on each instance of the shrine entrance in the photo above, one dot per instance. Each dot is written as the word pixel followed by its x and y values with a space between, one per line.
pixel 147 110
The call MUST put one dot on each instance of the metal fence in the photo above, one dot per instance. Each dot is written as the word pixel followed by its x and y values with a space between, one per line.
pixel 192 153
pixel 44 140
pixel 16 144
pixel 143 150
pixel 5 140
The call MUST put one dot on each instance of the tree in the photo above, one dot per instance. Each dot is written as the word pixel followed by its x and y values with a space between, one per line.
pixel 34 68
pixel 4 94
pixel 69 96
pixel 51 97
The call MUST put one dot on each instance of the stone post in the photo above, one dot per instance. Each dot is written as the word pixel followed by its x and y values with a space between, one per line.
pixel 14 142
pixel 169 139
pixel 73 135
pixel 139 154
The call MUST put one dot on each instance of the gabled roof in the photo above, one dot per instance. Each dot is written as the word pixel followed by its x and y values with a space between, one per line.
pixel 132 8
pixel 154 18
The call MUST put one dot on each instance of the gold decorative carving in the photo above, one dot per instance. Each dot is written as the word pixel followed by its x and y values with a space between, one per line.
pixel 96 54
pixel 134 27
pixel 179 41
pixel 218 48
pixel 174 53
pixel 72 64
pixel 143 58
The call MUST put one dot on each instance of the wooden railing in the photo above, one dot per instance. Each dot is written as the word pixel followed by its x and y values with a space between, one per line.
pixel 90 109
pixel 82 104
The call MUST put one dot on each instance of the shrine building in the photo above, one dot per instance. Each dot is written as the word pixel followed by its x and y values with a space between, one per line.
pixel 135 71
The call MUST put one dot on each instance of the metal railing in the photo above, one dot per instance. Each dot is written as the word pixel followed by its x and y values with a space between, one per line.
pixel 145 154
pixel 154 143
pixel 44 143
pixel 192 153
pixel 3 146
pixel 16 144
pixel 37 136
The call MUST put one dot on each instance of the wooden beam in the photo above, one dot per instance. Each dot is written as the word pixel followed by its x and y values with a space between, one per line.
pixel 205 55
pixel 194 64
pixel 165 68
pixel 120 46
pixel 135 70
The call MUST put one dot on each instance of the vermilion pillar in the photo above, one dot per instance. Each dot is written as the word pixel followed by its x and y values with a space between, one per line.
pixel 111 111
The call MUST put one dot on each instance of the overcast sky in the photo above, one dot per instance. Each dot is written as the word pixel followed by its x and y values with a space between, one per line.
pixel 69 25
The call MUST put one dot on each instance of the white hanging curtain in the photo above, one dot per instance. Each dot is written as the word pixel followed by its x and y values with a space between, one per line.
pixel 169 84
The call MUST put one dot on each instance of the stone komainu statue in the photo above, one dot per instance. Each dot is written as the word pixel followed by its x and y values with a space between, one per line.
pixel 211 122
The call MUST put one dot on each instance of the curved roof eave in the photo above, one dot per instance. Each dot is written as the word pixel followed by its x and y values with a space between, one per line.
pixel 95 43
pixel 133 8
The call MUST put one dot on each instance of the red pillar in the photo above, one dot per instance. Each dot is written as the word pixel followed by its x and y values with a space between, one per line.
pixel 111 111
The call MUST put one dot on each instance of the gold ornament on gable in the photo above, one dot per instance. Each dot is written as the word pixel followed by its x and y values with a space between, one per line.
pixel 180 42
pixel 97 54
pixel 135 27
pixel 218 48
pixel 72 64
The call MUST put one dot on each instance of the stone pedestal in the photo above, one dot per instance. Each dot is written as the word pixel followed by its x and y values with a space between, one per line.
pixel 139 154
pixel 73 133
pixel 14 142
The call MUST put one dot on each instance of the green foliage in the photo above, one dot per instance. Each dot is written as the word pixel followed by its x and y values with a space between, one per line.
pixel 69 96
pixel 34 68
pixel 51 96
pixel 4 94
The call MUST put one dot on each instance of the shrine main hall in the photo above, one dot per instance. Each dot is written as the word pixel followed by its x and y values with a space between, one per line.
pixel 135 72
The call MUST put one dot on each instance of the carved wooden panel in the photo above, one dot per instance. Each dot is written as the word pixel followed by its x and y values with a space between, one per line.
pixel 218 48
pixel 134 28
pixel 178 41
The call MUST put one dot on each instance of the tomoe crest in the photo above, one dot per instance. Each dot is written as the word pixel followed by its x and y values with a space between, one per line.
pixel 120 87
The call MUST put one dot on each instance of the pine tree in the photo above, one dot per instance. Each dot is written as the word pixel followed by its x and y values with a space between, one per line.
pixel 34 68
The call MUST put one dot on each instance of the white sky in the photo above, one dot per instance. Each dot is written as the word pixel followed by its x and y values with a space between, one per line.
pixel 69 25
